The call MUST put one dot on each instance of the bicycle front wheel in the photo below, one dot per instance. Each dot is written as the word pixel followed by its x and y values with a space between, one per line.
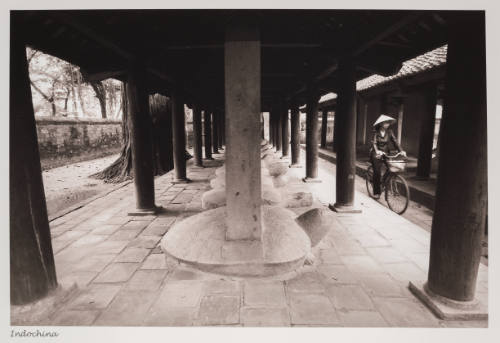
pixel 397 193
pixel 369 181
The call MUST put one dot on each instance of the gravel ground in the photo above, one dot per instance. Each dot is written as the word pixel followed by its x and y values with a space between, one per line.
pixel 65 186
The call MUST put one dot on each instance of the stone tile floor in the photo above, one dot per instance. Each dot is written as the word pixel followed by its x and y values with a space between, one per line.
pixel 359 279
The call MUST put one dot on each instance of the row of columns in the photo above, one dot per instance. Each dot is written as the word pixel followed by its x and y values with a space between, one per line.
pixel 32 267
pixel 460 211
pixel 212 132
pixel 459 216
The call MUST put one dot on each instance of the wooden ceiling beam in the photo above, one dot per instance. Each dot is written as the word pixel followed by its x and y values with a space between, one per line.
pixel 298 45
pixel 91 77
pixel 359 49
pixel 106 43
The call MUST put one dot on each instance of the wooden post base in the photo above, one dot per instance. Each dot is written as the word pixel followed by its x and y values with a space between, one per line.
pixel 146 211
pixel 311 180
pixel 183 180
pixel 448 309
pixel 339 208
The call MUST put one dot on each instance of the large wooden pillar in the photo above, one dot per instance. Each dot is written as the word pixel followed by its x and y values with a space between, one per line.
pixel 140 130
pixel 32 268
pixel 285 139
pixel 197 143
pixel 462 187
pixel 345 120
pixel 312 138
pixel 427 124
pixel 207 134
pixel 179 138
pixel 242 87
pixel 215 132
pixel 324 127
pixel 295 135
pixel 336 135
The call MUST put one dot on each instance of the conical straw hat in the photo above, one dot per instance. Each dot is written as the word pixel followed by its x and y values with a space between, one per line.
pixel 383 118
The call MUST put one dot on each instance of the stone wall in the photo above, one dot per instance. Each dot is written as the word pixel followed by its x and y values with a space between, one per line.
pixel 68 140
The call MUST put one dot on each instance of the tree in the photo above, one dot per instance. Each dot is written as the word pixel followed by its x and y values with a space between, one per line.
pixel 121 169
pixel 160 112
pixel 61 86
pixel 100 93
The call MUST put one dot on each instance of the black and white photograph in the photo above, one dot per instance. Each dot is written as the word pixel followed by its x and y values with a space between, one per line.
pixel 185 166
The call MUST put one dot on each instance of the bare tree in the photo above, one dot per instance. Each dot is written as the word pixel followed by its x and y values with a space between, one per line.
pixel 100 93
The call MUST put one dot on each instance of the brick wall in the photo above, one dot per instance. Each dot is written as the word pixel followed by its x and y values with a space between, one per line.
pixel 67 140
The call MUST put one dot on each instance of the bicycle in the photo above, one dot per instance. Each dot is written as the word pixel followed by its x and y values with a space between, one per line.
pixel 394 186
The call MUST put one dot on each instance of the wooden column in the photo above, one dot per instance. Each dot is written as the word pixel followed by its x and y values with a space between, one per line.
pixel 365 117
pixel 221 130
pixel 270 127
pixel 427 124
pixel 335 130
pixel 140 130
pixel 275 129
pixel 215 132
pixel 324 126
pixel 400 119
pixel 32 268
pixel 207 134
pixel 197 139
pixel 312 138
pixel 346 138
pixel 462 186
pixel 295 135
pixel 243 171
pixel 279 130
pixel 179 138
pixel 285 138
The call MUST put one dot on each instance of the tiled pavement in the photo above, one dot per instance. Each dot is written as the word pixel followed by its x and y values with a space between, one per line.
pixel 360 276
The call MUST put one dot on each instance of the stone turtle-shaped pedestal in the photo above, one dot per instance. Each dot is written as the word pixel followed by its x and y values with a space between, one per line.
pixel 200 241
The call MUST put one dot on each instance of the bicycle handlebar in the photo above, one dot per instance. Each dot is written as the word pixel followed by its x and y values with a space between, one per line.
pixel 393 156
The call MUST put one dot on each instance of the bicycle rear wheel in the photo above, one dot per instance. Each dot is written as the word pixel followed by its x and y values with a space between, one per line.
pixel 369 181
pixel 397 193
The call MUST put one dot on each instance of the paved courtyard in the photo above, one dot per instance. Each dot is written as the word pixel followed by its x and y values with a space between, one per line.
pixel 359 278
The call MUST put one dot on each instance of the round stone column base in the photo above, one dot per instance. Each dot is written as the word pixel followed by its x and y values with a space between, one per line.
pixel 200 241
pixel 449 309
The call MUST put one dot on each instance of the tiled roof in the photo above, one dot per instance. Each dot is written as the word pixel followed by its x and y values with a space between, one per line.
pixel 427 61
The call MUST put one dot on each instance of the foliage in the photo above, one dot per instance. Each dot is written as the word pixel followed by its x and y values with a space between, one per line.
pixel 58 89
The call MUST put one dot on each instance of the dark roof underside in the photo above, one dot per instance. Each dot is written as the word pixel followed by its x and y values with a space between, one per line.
pixel 185 48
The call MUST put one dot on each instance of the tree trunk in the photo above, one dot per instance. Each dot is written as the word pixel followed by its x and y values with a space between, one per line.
pixel 121 169
pixel 68 92
pixel 160 109
pixel 80 96
pixel 100 93
pixel 50 100
pixel 161 112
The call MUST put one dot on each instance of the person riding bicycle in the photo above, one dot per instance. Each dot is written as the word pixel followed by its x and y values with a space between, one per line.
pixel 382 136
